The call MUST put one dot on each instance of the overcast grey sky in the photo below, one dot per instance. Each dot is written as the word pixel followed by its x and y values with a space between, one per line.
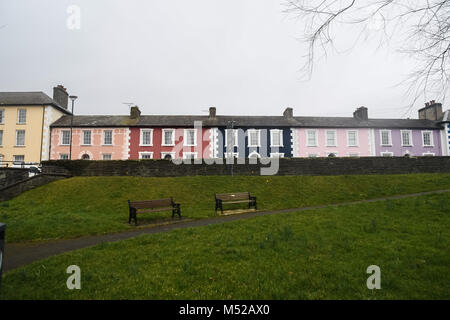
pixel 182 56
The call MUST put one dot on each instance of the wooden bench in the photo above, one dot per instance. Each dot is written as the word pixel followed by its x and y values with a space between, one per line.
pixel 230 198
pixel 152 206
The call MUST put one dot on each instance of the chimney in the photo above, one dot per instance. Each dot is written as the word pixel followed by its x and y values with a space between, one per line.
pixel 61 96
pixel 135 113
pixel 432 111
pixel 212 112
pixel 288 113
pixel 361 114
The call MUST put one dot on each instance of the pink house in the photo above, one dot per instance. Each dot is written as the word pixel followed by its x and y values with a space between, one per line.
pixel 90 143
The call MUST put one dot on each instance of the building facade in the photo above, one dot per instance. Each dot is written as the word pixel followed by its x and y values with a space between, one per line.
pixel 25 119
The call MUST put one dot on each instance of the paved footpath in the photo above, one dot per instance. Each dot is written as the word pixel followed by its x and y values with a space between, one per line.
pixel 17 255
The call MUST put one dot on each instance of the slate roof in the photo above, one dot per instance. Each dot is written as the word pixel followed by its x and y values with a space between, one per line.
pixel 36 98
pixel 242 121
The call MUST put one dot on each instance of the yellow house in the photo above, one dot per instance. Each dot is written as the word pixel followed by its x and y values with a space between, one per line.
pixel 25 119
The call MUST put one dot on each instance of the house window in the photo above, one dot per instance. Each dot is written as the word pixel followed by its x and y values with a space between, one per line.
pixel 65 141
pixel 1 159
pixel 233 135
pixel 107 156
pixel 406 138
pixel 231 154
pixel 190 136
pixel 20 138
pixel 311 138
pixel 63 156
pixel 352 138
pixel 276 155
pixel 386 138
pixel 87 137
pixel 353 155
pixel 1 137
pixel 312 155
pixel 85 157
pixel 276 138
pixel 22 116
pixel 146 137
pixel 387 154
pixel 190 155
pixel 428 154
pixel 427 138
pixel 145 155
pixel 331 138
pixel 107 137
pixel 19 159
pixel 2 116
pixel 253 138
pixel 168 137
pixel 167 155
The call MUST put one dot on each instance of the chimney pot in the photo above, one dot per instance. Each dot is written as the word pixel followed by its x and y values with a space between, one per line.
pixel 288 113
pixel 212 112
pixel 61 96
pixel 135 113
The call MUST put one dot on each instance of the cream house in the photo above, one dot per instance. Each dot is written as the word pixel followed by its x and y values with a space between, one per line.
pixel 25 119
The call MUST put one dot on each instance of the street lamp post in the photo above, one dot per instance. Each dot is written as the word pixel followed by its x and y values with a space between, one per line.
pixel 73 98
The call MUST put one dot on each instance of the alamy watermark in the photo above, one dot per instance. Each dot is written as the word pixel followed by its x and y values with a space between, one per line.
pixel 74 280
pixel 73 21
pixel 374 281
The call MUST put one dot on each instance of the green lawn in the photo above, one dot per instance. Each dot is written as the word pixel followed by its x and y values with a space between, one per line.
pixel 97 205
pixel 320 254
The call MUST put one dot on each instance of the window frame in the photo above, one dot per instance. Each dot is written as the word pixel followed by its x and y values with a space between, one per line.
pixel 104 137
pixel 163 138
pixel 258 132
pixel 141 154
pixel 410 138
pixel 335 138
pixel 61 142
pixel 356 138
pixel 389 136
pixel 17 135
pixel 195 154
pixel 141 139
pixel 2 116
pixel 185 140
pixel 277 155
pixel 90 138
pixel 1 138
pixel 382 153
pixel 19 162
pixel 18 116
pixel 431 139
pixel 316 142
pixel 236 137
pixel 63 154
pixel 280 135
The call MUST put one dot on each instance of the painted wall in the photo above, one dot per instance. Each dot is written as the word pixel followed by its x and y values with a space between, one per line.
pixel 265 147
pixel 417 148
pixel 51 114
pixel 118 150
pixel 301 148
pixel 33 133
pixel 202 148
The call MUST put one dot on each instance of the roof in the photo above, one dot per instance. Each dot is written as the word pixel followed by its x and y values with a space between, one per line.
pixel 37 98
pixel 242 121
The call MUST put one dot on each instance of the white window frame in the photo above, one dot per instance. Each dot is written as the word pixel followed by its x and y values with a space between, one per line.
pixel 382 153
pixel 63 158
pixel 428 154
pixel 389 136
pixel 354 154
pixel 410 138
pixel 18 116
pixel 236 136
pixel 356 138
pixel 18 155
pixel 163 154
pixel 2 116
pixel 141 140
pixel 313 155
pixel 86 144
pixel 258 132
pixel 185 155
pixel 277 155
pixel 254 153
pixel 185 138
pixel 1 138
pixel 103 137
pixel 163 137
pixel 145 153
pixel 106 154
pixel 431 138
pixel 316 144
pixel 62 138
pixel 234 154
pixel 279 132
pixel 24 137
pixel 335 138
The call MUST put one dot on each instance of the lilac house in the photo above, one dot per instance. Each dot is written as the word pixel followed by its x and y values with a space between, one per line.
pixel 414 137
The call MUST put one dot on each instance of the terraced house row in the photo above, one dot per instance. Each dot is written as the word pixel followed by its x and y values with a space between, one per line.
pixel 35 127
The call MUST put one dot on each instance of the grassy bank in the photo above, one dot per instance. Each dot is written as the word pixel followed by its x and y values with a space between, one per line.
pixel 320 254
pixel 95 205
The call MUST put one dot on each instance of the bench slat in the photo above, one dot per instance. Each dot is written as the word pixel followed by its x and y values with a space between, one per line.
pixel 233 196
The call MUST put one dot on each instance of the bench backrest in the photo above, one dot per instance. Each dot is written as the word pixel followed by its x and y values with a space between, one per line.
pixel 233 196
pixel 150 204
